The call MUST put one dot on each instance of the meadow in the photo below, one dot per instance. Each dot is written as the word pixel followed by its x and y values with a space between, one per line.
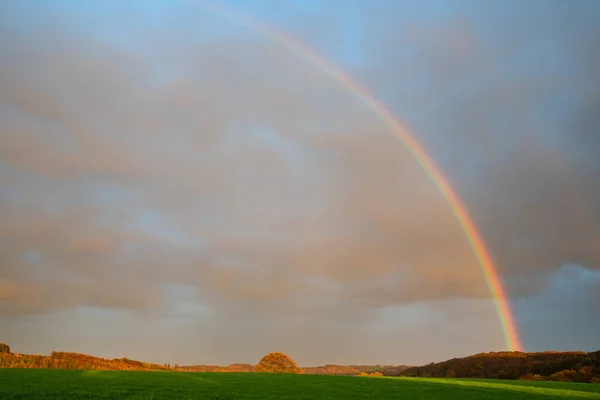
pixel 85 384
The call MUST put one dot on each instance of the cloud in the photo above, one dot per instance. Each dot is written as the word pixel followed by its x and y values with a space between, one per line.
pixel 289 202
pixel 210 159
pixel 502 126
pixel 571 297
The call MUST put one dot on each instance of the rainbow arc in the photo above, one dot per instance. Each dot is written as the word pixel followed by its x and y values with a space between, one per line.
pixel 474 238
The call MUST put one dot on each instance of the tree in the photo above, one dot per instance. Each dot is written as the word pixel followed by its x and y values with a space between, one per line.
pixel 4 348
pixel 277 363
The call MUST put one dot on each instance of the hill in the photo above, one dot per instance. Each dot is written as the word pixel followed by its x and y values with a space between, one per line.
pixel 215 368
pixel 550 365
pixel 332 369
pixel 556 366
pixel 68 360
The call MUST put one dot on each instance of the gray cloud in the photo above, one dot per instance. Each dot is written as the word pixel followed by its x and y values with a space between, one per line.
pixel 570 296
pixel 277 198
pixel 508 140
pixel 327 204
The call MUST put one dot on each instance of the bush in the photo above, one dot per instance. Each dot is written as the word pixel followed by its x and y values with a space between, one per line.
pixel 277 363
pixel 565 375
pixel 4 348
pixel 531 377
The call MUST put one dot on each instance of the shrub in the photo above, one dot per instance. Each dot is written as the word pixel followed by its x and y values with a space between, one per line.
pixel 277 363
pixel 531 377
pixel 4 348
pixel 565 375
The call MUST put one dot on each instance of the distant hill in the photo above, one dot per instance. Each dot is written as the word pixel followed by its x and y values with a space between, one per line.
pixel 559 366
pixel 550 365
pixel 67 360
pixel 331 369
pixel 216 368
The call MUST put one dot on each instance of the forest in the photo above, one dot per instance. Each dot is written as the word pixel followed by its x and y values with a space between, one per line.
pixel 550 365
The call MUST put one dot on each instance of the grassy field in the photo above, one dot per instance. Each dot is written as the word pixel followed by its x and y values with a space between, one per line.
pixel 74 384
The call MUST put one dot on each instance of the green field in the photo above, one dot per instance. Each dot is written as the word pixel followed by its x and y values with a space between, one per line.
pixel 77 384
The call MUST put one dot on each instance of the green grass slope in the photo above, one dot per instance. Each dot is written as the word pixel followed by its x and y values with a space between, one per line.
pixel 77 384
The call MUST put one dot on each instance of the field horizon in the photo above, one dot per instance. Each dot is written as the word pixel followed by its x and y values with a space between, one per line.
pixel 576 366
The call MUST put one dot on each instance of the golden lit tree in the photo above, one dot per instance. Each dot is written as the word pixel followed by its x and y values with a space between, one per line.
pixel 277 363
pixel 4 348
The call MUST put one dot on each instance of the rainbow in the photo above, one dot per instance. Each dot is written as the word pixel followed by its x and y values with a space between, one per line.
pixel 416 149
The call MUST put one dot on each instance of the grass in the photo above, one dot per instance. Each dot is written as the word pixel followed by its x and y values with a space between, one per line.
pixel 74 384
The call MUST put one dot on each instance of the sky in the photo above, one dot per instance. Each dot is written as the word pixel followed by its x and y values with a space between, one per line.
pixel 177 188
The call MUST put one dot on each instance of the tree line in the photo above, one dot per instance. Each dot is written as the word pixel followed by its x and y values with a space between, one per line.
pixel 557 366
pixel 549 365
pixel 68 360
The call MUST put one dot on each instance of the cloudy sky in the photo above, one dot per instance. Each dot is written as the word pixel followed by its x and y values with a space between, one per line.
pixel 176 188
